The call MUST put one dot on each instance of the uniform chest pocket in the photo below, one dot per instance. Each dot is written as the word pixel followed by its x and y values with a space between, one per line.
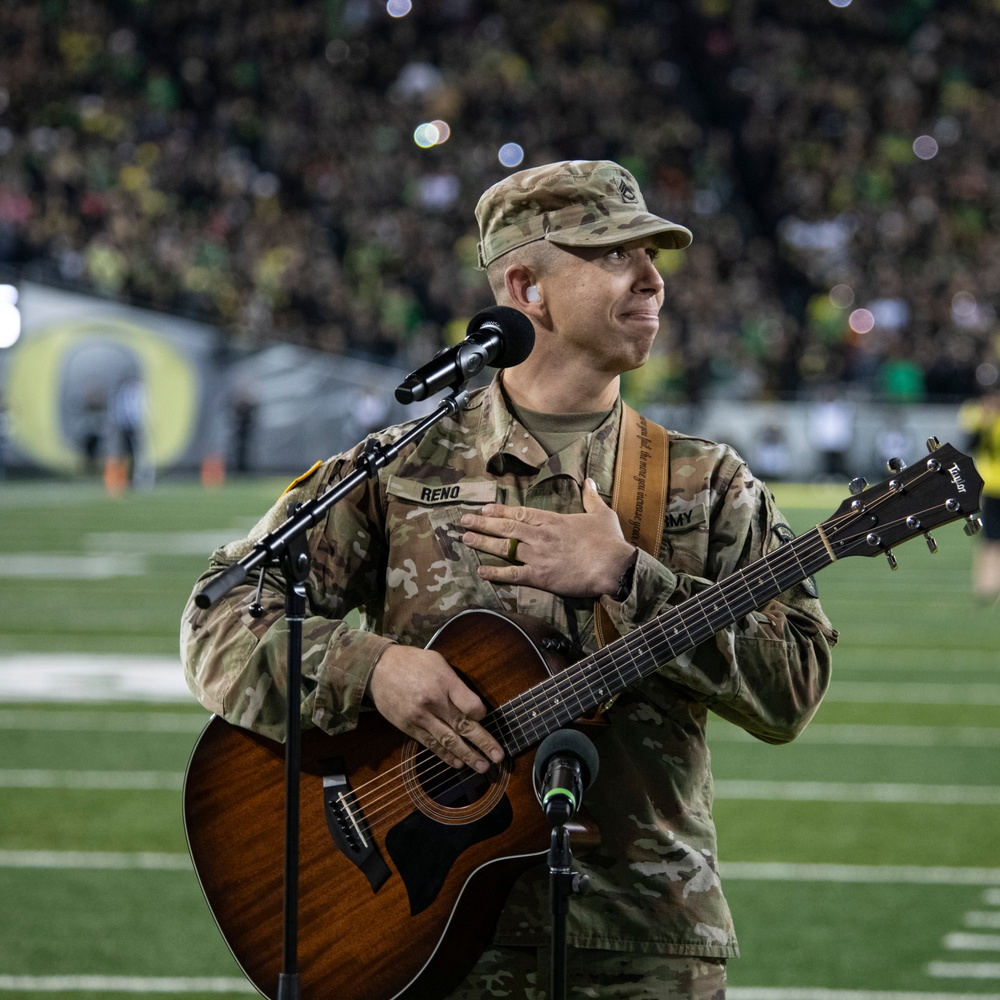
pixel 428 563
pixel 423 512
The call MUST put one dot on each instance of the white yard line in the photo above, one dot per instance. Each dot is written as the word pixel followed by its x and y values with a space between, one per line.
pixel 907 693
pixel 92 780
pixel 818 993
pixel 854 735
pixel 83 860
pixel 972 942
pixel 70 566
pixel 123 984
pixel 98 722
pixel 835 791
pixel 767 871
pixel 964 970
pixel 162 543
pixel 98 677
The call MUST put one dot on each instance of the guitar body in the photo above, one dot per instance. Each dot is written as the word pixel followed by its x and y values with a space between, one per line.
pixel 390 872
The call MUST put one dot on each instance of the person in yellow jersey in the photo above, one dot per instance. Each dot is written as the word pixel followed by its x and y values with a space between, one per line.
pixel 981 418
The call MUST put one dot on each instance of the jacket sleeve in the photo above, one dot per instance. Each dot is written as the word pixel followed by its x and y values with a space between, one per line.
pixel 236 664
pixel 768 671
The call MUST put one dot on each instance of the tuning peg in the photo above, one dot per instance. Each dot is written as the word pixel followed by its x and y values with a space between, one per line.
pixel 857 485
pixel 896 464
pixel 875 541
pixel 931 544
pixel 973 525
pixel 933 444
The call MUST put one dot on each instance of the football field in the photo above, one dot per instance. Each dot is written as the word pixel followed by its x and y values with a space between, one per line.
pixel 862 861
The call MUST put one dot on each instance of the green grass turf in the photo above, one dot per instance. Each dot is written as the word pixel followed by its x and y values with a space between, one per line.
pixel 916 633
pixel 850 936
pixel 858 833
pixel 143 924
pixel 122 614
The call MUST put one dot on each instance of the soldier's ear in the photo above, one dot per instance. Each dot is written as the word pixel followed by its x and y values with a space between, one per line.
pixel 523 289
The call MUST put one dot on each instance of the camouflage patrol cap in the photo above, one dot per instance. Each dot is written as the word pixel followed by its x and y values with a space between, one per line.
pixel 575 203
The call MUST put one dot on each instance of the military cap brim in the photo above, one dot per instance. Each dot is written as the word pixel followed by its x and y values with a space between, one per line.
pixel 575 203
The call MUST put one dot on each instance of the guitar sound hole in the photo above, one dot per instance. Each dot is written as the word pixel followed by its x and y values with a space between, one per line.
pixel 449 787
pixel 449 795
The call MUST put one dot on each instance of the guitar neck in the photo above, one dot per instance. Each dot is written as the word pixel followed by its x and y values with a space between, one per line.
pixel 942 487
pixel 576 691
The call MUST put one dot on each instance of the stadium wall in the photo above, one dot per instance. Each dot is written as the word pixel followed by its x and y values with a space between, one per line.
pixel 277 408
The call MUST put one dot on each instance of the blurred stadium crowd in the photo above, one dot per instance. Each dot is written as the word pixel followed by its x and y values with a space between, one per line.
pixel 254 165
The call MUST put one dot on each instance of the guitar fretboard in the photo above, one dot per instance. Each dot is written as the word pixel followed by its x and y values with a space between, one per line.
pixel 527 719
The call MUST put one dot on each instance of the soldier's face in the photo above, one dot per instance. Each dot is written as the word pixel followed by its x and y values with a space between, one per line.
pixel 606 301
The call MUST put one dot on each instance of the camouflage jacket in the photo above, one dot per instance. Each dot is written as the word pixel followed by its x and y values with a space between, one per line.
pixel 393 550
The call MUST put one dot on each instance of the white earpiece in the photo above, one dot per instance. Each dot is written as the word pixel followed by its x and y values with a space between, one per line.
pixel 531 294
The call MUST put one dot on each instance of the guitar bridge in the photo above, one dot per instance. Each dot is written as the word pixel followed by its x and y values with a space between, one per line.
pixel 348 828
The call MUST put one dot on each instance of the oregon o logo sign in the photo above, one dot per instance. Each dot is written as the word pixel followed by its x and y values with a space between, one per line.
pixel 54 369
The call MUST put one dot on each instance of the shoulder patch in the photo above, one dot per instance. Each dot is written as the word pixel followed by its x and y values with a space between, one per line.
pixel 301 479
pixel 783 533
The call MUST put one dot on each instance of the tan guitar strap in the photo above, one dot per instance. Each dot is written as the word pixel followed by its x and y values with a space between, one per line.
pixel 639 496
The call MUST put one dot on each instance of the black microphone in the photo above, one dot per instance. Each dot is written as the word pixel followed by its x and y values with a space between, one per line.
pixel 565 766
pixel 498 336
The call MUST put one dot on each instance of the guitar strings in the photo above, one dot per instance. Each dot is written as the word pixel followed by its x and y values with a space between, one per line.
pixel 576 674
pixel 574 680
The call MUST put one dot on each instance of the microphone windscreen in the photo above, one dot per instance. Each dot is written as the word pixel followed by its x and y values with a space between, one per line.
pixel 518 334
pixel 573 743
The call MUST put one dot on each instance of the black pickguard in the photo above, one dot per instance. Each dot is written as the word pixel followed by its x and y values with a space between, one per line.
pixel 424 850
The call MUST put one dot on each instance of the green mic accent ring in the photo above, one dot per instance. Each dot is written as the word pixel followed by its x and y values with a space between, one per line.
pixel 560 791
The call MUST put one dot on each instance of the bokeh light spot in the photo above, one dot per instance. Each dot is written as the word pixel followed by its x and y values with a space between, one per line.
pixel 426 135
pixel 987 374
pixel 399 8
pixel 963 304
pixel 842 296
pixel 511 154
pixel 925 147
pixel 861 321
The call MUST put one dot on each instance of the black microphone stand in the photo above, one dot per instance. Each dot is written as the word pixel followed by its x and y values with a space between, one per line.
pixel 563 883
pixel 286 545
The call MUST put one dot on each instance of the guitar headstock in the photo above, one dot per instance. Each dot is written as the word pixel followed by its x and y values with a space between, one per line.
pixel 943 486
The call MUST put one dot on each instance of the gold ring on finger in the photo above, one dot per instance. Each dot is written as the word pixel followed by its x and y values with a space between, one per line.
pixel 512 549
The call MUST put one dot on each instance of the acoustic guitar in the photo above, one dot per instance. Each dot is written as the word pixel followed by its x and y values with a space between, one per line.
pixel 405 862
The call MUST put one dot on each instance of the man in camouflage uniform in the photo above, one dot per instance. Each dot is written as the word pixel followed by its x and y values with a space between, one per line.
pixel 506 507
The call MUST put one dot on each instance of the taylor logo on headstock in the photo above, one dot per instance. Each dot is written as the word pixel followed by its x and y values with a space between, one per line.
pixel 957 478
